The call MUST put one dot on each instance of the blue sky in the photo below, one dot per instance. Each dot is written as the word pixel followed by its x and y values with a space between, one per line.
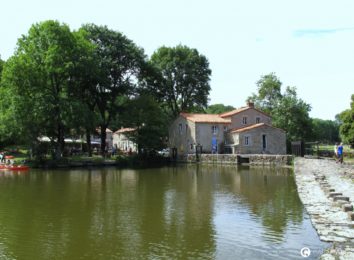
pixel 308 44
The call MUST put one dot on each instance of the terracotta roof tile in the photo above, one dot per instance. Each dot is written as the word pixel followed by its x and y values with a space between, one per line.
pixel 239 110
pixel 233 112
pixel 124 130
pixel 239 130
pixel 205 118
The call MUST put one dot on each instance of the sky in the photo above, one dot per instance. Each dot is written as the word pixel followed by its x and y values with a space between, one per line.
pixel 307 44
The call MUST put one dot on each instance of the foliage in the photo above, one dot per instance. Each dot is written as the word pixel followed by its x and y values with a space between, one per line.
pixel 287 110
pixel 347 124
pixel 218 109
pixel 1 66
pixel 119 63
pixel 145 114
pixel 181 79
pixel 36 83
pixel 325 131
pixel 269 93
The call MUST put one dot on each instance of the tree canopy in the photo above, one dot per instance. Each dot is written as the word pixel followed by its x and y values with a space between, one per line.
pixel 183 79
pixel 287 110
pixel 145 115
pixel 325 131
pixel 1 66
pixel 119 63
pixel 218 109
pixel 36 81
pixel 347 124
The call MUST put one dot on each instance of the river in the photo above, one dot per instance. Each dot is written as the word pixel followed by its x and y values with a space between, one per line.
pixel 182 212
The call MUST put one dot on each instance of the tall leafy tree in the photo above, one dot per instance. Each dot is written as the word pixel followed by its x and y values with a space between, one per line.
pixel 347 124
pixel 292 115
pixel 84 87
pixel 269 92
pixel 119 66
pixel 184 77
pixel 145 115
pixel 37 78
pixel 287 110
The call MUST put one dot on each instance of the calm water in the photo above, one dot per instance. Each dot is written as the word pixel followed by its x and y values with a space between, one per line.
pixel 184 212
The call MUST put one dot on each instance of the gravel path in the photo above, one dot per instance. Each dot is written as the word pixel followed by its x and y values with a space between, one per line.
pixel 327 191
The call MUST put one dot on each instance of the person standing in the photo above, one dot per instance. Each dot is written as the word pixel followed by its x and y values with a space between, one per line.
pixel 340 153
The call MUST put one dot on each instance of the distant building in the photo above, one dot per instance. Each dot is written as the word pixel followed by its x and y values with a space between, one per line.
pixel 242 131
pixel 96 138
pixel 121 140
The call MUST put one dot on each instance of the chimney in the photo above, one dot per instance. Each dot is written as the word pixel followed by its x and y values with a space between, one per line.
pixel 250 104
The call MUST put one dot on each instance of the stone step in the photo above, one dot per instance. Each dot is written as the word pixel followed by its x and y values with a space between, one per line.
pixel 333 194
pixel 347 207
pixel 351 215
pixel 340 198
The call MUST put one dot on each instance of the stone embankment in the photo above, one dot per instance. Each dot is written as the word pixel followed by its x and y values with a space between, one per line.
pixel 251 159
pixel 327 191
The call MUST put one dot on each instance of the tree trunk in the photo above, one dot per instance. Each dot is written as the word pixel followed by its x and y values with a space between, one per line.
pixel 88 142
pixel 59 145
pixel 103 140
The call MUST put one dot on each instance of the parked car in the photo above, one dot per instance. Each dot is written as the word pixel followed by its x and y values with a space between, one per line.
pixel 165 152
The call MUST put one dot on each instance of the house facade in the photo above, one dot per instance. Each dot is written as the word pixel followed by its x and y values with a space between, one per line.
pixel 121 141
pixel 242 131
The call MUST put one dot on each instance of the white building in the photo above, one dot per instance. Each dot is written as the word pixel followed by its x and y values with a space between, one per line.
pixel 121 140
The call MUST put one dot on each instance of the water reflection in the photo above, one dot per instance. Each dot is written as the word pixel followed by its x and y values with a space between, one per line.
pixel 183 212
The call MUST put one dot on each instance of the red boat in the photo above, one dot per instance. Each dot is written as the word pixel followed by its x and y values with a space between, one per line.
pixel 14 167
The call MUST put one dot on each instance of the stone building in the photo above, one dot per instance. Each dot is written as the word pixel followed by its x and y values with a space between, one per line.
pixel 122 142
pixel 246 130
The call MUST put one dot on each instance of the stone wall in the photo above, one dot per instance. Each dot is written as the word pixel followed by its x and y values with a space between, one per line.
pixel 252 159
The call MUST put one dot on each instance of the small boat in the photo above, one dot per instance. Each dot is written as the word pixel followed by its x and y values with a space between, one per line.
pixel 14 167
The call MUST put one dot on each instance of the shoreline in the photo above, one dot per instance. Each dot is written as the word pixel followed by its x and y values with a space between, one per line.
pixel 327 191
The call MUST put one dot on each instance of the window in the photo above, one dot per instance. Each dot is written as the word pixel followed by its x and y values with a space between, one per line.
pixel 244 120
pixel 225 128
pixel 186 128
pixel 180 128
pixel 258 120
pixel 247 140
pixel 191 147
pixel 214 129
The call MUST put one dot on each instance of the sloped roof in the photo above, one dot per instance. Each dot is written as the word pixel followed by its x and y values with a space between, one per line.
pixel 247 128
pixel 124 130
pixel 239 110
pixel 205 118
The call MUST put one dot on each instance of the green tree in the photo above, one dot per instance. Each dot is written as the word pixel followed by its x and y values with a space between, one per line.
pixel 183 80
pixel 292 115
pixel 37 80
pixel 326 131
pixel 218 109
pixel 119 67
pixel 1 66
pixel 84 87
pixel 287 110
pixel 347 124
pixel 269 92
pixel 145 114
